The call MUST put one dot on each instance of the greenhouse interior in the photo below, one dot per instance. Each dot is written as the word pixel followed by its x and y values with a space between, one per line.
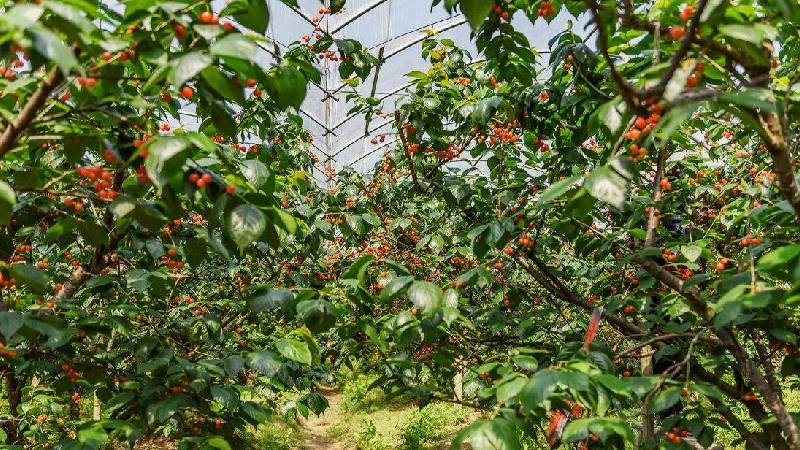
pixel 399 224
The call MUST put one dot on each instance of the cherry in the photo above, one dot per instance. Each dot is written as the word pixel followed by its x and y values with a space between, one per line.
pixel 676 33
pixel 187 92
pixel 206 17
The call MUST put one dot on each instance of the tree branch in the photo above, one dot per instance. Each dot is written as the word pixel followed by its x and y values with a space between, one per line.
pixel 23 120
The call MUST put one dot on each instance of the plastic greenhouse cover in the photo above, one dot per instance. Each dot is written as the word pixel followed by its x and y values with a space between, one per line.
pixel 395 27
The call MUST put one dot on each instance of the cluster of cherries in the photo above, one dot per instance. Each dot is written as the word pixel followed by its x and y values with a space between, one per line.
pixel 172 260
pixel 546 9
pixel 102 181
pixel 72 374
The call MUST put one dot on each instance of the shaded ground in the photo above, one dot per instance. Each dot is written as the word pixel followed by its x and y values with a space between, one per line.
pixel 316 435
pixel 342 428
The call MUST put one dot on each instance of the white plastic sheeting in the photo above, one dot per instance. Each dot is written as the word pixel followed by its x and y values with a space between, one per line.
pixel 397 27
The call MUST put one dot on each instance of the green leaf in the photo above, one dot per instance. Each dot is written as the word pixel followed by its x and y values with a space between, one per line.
pixel 233 365
pixel 94 233
pixel 31 276
pixel 265 362
pixel 476 11
pixel 606 185
pixel 755 33
pixel 610 431
pixel 162 411
pixel 486 109
pixel 255 172
pixel 225 396
pixel 358 269
pixel 7 201
pixel 507 390
pixel 71 15
pixel 610 116
pixel 294 350
pixel 251 13
pixel 696 279
pixel 93 435
pixel 22 16
pixel 497 434
pixel 395 287
pixel 557 190
pixel 10 323
pixel 188 66
pixel 218 442
pixel 52 47
pixel 665 399
pixel 539 388
pixel 780 257
pixel 336 5
pixel 614 384
pixel 692 252
pixel 245 224
pixel 235 45
pixel 426 296
pixel 751 98
pixel 122 206
pixel 166 156
pixel 709 390
pixel 59 229
pixel 118 401
pixel 287 220
pixel 317 315
pixel 286 86
pixel 273 298
pixel 223 85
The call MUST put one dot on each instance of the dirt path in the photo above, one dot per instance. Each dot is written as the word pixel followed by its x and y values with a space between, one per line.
pixel 315 429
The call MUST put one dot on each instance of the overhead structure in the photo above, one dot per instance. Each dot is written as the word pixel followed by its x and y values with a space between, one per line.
pixel 390 30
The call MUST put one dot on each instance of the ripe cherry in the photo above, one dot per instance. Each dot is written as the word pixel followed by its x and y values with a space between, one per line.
pixel 676 33
pixel 206 17
pixel 187 92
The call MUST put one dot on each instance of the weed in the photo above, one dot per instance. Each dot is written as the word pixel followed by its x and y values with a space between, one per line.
pixel 368 437
pixel 431 424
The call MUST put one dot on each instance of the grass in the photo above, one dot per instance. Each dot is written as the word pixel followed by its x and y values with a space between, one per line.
pixel 367 421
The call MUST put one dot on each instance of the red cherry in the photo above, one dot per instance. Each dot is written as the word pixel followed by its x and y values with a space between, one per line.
pixel 187 92
pixel 676 33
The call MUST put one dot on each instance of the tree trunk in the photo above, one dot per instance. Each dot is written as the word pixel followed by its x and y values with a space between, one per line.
pixel 648 420
pixel 14 392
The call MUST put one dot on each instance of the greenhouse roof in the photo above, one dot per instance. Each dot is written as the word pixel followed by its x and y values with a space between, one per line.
pixel 390 30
